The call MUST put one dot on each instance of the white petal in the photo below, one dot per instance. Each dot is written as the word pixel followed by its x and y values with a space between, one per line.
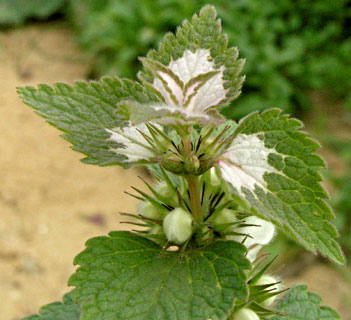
pixel 261 235
pixel 246 161
pixel 253 252
pixel 265 280
pixel 135 145
pixel 245 314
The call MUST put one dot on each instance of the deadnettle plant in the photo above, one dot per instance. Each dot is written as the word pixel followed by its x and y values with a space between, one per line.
pixel 222 190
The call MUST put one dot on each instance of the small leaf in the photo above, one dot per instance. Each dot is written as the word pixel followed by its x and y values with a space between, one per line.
pixel 193 71
pixel 273 165
pixel 300 304
pixel 85 111
pixel 66 310
pixel 124 276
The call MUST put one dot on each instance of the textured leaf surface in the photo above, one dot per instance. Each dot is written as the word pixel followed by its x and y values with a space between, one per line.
pixel 194 69
pixel 123 277
pixel 85 111
pixel 299 304
pixel 273 165
pixel 66 310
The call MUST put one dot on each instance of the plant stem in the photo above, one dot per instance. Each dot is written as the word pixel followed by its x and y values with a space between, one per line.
pixel 194 192
pixel 193 184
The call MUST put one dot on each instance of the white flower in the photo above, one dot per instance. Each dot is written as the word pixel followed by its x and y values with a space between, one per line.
pixel 264 280
pixel 177 226
pixel 261 235
pixel 135 146
pixel 245 314
pixel 224 217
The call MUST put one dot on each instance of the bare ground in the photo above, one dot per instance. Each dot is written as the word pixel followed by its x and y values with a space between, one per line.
pixel 50 203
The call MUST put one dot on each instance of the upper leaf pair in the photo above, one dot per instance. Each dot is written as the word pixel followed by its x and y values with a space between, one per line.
pixel 188 76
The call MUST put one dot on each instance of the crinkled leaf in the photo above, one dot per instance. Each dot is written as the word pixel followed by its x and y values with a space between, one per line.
pixel 66 310
pixel 123 276
pixel 300 304
pixel 194 71
pixel 273 165
pixel 85 111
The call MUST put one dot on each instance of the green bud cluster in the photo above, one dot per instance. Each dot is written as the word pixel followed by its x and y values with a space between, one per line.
pixel 206 147
pixel 167 217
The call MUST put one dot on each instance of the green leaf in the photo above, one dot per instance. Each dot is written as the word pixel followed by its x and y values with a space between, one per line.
pixel 124 276
pixel 281 180
pixel 66 310
pixel 85 111
pixel 183 57
pixel 298 303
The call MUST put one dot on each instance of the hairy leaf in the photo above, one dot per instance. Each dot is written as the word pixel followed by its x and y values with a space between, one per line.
pixel 300 304
pixel 194 71
pixel 85 111
pixel 124 276
pixel 66 310
pixel 273 165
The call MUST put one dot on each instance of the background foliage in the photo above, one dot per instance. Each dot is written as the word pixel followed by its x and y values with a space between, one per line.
pixel 291 46
pixel 341 201
pixel 15 12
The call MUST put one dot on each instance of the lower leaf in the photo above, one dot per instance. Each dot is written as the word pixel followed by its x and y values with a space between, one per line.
pixel 66 310
pixel 299 303
pixel 124 276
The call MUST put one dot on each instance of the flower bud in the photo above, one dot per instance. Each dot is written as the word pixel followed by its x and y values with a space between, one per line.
pixel 204 235
pixel 245 314
pixel 192 164
pixel 265 279
pixel 172 163
pixel 156 229
pixel 225 216
pixel 148 210
pixel 164 189
pixel 168 193
pixel 177 226
pixel 214 180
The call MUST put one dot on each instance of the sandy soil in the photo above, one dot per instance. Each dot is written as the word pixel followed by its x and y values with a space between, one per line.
pixel 50 203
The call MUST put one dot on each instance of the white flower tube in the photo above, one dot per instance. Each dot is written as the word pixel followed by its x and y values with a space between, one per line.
pixel 264 280
pixel 261 235
pixel 245 314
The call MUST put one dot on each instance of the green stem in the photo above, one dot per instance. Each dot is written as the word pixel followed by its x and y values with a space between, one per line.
pixel 193 184
pixel 194 192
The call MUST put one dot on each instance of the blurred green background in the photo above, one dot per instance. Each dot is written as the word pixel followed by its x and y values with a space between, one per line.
pixel 298 58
